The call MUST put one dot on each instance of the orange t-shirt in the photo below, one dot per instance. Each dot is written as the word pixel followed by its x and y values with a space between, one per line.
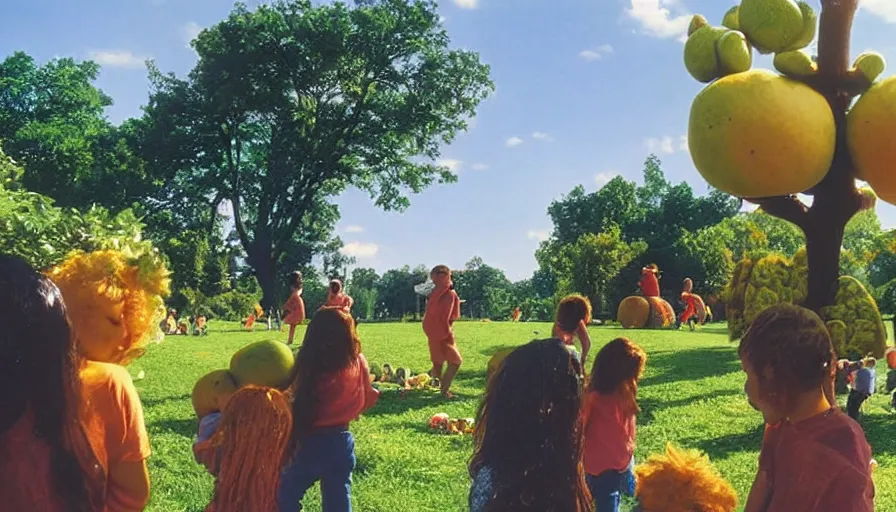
pixel 609 434
pixel 339 300
pixel 295 309
pixel 345 395
pixel 113 422
pixel 442 309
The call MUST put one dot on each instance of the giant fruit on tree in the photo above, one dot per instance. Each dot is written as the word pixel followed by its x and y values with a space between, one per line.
pixel 713 52
pixel 871 134
pixel 775 26
pixel 759 134
pixel 263 363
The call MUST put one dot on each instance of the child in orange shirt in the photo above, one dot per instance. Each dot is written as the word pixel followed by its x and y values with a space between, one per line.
pixel 611 406
pixel 814 458
pixel 294 309
pixel 46 463
pixel 331 389
pixel 253 431
pixel 571 322
pixel 337 297
pixel 442 309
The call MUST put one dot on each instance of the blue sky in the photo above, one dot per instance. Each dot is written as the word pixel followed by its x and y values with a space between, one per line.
pixel 586 89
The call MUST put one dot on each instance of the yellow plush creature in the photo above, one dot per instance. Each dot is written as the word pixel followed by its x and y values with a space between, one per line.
pixel 114 301
pixel 682 481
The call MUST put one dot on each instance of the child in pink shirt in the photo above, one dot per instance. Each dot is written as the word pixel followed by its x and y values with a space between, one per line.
pixel 294 309
pixel 331 389
pixel 610 409
pixel 814 458
pixel 337 297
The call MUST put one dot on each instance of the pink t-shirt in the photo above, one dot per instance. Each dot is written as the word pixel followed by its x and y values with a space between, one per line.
pixel 609 434
pixel 345 395
pixel 818 465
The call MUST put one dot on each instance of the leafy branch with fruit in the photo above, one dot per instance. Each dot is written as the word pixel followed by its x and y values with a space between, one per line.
pixel 815 127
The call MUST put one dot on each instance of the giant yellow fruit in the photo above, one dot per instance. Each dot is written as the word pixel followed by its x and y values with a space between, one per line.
pixel 211 392
pixel 263 363
pixel 633 312
pixel 871 132
pixel 759 134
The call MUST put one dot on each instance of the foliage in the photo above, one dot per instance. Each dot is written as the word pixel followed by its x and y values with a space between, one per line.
pixel 292 103
pixel 854 321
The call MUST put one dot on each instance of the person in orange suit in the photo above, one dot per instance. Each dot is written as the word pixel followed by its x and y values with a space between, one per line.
pixel 649 282
pixel 442 309
pixel 515 317
pixel 689 315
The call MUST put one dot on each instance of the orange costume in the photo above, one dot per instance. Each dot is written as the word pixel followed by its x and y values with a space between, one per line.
pixel 515 317
pixel 442 309
pixel 649 283
pixel 694 306
pixel 294 308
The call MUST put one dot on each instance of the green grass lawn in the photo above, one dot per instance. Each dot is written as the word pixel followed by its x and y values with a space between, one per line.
pixel 692 394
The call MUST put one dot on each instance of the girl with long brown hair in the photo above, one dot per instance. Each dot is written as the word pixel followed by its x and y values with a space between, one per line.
pixel 528 437
pixel 45 463
pixel 331 388
pixel 611 406
pixel 246 449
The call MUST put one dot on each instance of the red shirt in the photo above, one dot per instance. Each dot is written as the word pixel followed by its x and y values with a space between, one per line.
pixel 345 395
pixel 650 285
pixel 25 475
pixel 609 434
pixel 818 465
pixel 442 309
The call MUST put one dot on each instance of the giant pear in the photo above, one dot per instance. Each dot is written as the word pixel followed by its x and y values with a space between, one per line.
pixel 263 363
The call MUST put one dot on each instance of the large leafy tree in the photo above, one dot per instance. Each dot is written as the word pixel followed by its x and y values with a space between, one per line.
pixel 292 103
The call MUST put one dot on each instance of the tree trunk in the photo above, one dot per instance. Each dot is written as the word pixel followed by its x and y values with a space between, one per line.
pixel 264 263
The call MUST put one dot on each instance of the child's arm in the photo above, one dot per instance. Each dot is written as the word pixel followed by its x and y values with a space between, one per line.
pixel 453 309
pixel 301 307
pixel 584 339
pixel 349 302
pixel 131 482
pixel 128 478
pixel 760 493
pixel 371 394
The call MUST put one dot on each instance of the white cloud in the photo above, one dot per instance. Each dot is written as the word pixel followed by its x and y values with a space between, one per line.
pixel 467 4
pixel 451 164
pixel 360 250
pixel 537 234
pixel 683 144
pixel 190 31
pixel 597 53
pixel 886 9
pixel 480 167
pixel 541 136
pixel 117 58
pixel 354 229
pixel 603 178
pixel 665 19
pixel 661 145
pixel 513 142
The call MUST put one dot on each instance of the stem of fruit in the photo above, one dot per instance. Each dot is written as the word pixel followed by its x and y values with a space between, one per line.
pixel 836 199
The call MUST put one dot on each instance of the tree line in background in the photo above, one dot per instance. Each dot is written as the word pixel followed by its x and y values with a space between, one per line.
pixel 231 171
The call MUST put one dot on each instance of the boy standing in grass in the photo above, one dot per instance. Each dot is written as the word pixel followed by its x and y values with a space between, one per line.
pixel 814 458
pixel 442 309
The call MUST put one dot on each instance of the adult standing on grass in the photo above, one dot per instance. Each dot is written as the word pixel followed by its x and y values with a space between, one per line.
pixel 294 309
pixel 45 462
pixel 442 309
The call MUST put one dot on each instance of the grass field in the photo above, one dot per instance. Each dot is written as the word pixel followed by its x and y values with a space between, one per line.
pixel 692 394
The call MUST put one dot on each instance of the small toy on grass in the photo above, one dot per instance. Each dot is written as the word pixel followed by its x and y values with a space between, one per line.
pixel 443 424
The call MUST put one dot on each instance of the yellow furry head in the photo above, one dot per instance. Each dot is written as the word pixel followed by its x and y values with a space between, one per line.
pixel 114 301
pixel 682 481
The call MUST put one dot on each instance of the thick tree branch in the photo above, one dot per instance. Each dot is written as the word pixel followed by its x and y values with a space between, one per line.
pixel 233 167
pixel 789 208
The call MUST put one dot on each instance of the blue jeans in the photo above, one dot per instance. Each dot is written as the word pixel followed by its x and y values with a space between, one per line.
pixel 608 487
pixel 328 456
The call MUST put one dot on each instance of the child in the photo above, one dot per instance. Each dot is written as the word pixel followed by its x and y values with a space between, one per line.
pixel 571 322
pixel 813 458
pixel 611 406
pixel 862 387
pixel 337 297
pixel 689 315
pixel 252 432
pixel 294 309
pixel 331 389
pixel 442 309
pixel 528 437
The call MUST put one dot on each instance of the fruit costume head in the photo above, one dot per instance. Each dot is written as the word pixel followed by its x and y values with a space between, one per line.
pixel 682 480
pixel 649 283
pixel 114 301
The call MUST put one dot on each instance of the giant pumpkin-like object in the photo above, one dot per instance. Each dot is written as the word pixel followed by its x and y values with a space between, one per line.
pixel 871 132
pixel 636 312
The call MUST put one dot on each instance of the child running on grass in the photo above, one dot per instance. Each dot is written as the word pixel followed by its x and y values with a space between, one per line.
pixel 611 406
pixel 294 309
pixel 442 309
pixel 814 458
pixel 336 297
pixel 571 322
pixel 331 388
pixel 527 451
pixel 246 450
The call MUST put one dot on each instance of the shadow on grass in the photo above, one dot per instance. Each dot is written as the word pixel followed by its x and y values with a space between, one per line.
pixel 182 427
pixel 393 402
pixel 880 431
pixel 690 364
pixel 153 402
pixel 721 447
pixel 650 406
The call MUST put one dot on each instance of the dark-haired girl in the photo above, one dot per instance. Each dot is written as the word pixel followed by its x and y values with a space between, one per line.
pixel 331 388
pixel 611 406
pixel 528 438
pixel 294 309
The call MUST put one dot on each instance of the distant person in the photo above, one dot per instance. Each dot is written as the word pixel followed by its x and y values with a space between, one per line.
pixel 331 388
pixel 527 447
pixel 611 406
pixel 46 463
pixel 862 387
pixel 571 322
pixel 336 296
pixel 294 309
pixel 442 309
pixel 515 316
pixel 814 458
